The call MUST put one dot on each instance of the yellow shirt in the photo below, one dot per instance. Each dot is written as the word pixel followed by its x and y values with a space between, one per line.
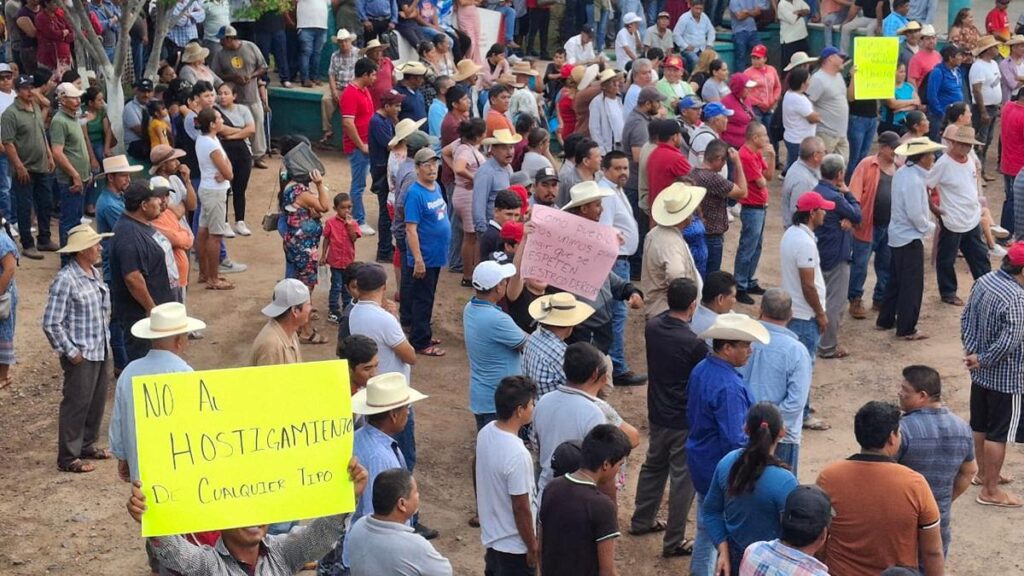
pixel 273 346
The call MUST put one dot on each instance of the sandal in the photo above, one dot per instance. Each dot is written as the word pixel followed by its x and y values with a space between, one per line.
pixel 839 352
pixel 434 341
pixel 315 337
pixel 1008 503
pixel 684 549
pixel 658 526
pixel 6 382
pixel 914 336
pixel 816 424
pixel 432 351
pixel 220 285
pixel 98 454
pixel 76 466
pixel 466 283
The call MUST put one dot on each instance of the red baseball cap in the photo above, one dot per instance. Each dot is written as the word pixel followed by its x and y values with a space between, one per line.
pixel 812 201
pixel 674 62
pixel 1015 253
pixel 566 71
pixel 759 51
pixel 512 231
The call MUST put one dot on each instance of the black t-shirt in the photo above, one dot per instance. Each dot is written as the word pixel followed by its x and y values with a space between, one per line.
pixel 863 108
pixel 269 22
pixel 489 243
pixel 132 248
pixel 672 352
pixel 868 8
pixel 519 309
pixel 883 200
pixel 574 517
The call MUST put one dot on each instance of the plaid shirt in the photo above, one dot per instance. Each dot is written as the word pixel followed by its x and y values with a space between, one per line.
pixel 542 360
pixel 776 559
pixel 992 327
pixel 77 313
pixel 343 67
pixel 188 13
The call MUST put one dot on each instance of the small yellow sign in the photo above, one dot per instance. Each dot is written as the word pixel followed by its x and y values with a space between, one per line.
pixel 875 60
pixel 243 447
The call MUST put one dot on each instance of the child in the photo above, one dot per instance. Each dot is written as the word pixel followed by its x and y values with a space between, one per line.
pixel 340 234
pixel 506 208
pixel 353 291
pixel 159 128
pixel 361 353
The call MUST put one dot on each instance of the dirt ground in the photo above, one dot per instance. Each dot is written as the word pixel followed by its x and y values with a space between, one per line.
pixel 56 523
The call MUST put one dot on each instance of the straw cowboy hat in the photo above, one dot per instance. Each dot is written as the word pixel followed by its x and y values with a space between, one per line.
pixel 961 134
pixel 984 43
pixel 162 153
pixel 561 309
pixel 606 75
pixel 589 75
pixel 798 59
pixel 343 35
pixel 466 68
pixel 165 320
pixel 372 44
pixel 735 326
pixel 119 164
pixel 403 129
pixel 523 67
pixel 912 26
pixel 503 136
pixel 585 193
pixel 82 237
pixel 385 392
pixel 194 52
pixel 413 68
pixel 916 146
pixel 676 203
pixel 1014 40
pixel 509 80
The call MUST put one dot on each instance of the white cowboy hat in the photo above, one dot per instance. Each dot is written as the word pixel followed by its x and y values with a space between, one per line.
pixel 403 129
pixel 561 309
pixel 82 237
pixel 589 75
pixel 165 320
pixel 984 43
pixel 194 52
pixel 502 136
pixel 916 146
pixel 606 75
pixel 676 203
pixel 928 30
pixel 735 326
pixel 375 43
pixel 631 18
pixel 119 164
pixel 385 392
pixel 585 193
pixel 798 59
pixel 343 35
pixel 465 69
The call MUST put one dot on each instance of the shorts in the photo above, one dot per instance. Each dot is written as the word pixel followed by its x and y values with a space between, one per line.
pixel 214 214
pixel 997 415
pixel 462 201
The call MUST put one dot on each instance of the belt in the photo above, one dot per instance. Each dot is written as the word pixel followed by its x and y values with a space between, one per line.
pixel 752 207
pixel 624 258
pixel 379 18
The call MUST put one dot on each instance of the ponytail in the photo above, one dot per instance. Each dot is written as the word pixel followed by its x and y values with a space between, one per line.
pixel 764 423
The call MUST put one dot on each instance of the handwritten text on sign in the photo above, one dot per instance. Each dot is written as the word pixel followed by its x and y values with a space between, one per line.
pixel 243 447
pixel 875 60
pixel 569 252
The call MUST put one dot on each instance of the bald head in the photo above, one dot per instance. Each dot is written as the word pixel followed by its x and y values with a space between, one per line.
pixel 776 306
pixel 812 150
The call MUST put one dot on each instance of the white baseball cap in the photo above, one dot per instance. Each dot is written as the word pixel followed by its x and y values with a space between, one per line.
pixel 489 274
pixel 287 293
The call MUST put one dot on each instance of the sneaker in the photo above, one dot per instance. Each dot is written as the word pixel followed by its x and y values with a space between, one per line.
pixel 229 267
pixel 426 532
pixel 743 298
pixel 49 246
pixel 997 251
pixel 756 290
pixel 333 317
pixel 730 216
pixel 14 231
pixel 367 230
pixel 229 233
pixel 999 232
pixel 32 253
pixel 629 379
pixel 242 229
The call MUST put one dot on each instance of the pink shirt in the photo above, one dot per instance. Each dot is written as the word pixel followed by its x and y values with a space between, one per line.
pixel 766 94
pixel 921 64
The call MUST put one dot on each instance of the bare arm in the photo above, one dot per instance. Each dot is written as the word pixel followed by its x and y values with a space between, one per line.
pixel 523 515
pixel 810 293
pixel 348 124
pixel 136 283
pixel 930 543
pixel 9 264
pixel 405 352
pixel 963 478
pixel 631 432
pixel 606 558
pixel 220 160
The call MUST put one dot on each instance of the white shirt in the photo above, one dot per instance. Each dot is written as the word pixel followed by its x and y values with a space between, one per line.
pixel 206 145
pixel 606 122
pixel 504 468
pixel 689 32
pixel 624 40
pixel 987 74
pixel 311 14
pixel 796 107
pixel 370 319
pixel 791 26
pixel 800 250
pixel 576 52
pixel 958 192
pixel 617 213
pixel 6 99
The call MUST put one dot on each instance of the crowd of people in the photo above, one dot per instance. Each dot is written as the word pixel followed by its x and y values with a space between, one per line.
pixel 635 124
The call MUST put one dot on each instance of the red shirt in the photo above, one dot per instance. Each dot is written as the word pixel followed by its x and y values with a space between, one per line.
pixel 1012 160
pixel 384 83
pixel 342 250
pixel 997 21
pixel 665 165
pixel 754 167
pixel 568 113
pixel 356 103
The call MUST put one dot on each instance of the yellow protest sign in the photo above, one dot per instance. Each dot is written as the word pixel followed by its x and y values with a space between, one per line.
pixel 243 447
pixel 875 60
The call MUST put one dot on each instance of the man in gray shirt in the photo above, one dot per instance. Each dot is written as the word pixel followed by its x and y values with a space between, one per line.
pixel 241 62
pixel 493 175
pixel 132 120
pixel 827 93
pixel 802 176
pixel 634 136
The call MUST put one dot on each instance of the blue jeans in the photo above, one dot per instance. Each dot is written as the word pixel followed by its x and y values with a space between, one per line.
pixel 6 208
pixel 311 45
pixel 690 58
pixel 338 288
pixel 407 441
pixel 508 14
pixel 714 243
pixel 860 133
pixel 360 166
pixel 35 192
pixel 859 271
pixel 72 208
pixel 807 332
pixel 275 43
pixel 792 153
pixel 1006 219
pixel 744 40
pixel 651 10
pixel 139 56
pixel 618 348
pixel 715 9
pixel 600 27
pixel 749 252
pixel 117 345
pixel 422 296
pixel 788 453
pixel 705 554
pixel 765 118
pixel 405 289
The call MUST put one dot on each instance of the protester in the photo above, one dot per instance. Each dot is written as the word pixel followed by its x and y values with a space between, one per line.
pixel 490 177
pixel 302 232
pixel 827 92
pixel 544 353
pixel 339 74
pixel 805 528
pixel 428 234
pixel 718 296
pixel 945 87
pixel 758 161
pixel 384 135
pixel 606 115
pixel 801 176
pixel 277 341
pixel 666 256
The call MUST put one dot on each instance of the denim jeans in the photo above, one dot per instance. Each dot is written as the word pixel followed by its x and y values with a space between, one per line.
pixel 117 346
pixel 276 44
pixel 618 348
pixel 360 166
pixel 862 251
pixel 690 58
pixel 72 208
pixel 744 41
pixel 714 243
pixel 311 46
pixel 705 554
pixel 379 187
pixel 792 153
pixel 749 252
pixel 35 192
pixel 715 9
pixel 1006 218
pixel 6 207
pixel 422 296
pixel 600 26
pixel 809 335
pixel 975 253
pixel 508 14
pixel 860 133
pixel 405 289
pixel 407 441
pixel 338 288
pixel 790 454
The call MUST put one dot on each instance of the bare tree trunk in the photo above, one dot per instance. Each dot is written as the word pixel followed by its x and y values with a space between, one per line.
pixel 162 23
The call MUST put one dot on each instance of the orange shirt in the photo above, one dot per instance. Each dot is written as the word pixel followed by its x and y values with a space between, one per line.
pixel 181 241
pixel 496 121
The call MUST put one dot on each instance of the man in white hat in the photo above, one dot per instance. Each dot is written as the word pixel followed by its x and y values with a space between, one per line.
pixel 544 354
pixel 628 43
pixel 717 411
pixel 414 107
pixel 666 255
pixel 166 329
pixel 277 342
pixel 493 175
pixel 240 61
pixel 986 81
pixel 339 74
pixel 926 58
pixel 75 323
pixel 71 155
pixel 606 116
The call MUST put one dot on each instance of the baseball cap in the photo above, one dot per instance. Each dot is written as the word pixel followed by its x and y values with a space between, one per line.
pixel 716 109
pixel 759 51
pixel 146 85
pixel 69 90
pixel 161 186
pixel 889 139
pixel 370 277
pixel 287 293
pixel 690 102
pixel 424 155
pixel 5 68
pixel 512 231
pixel 545 174
pixel 1015 253
pixel 23 81
pixel 832 51
pixel 139 191
pixel 674 62
pixel 663 127
pixel 649 94
pixel 391 97
pixel 489 274
pixel 227 31
pixel 812 201
pixel 520 178
pixel 808 509
pixel 567 457
pixel 417 141
pixel 664 15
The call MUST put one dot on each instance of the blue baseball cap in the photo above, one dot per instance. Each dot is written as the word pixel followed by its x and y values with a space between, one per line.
pixel 832 51
pixel 715 109
pixel 690 102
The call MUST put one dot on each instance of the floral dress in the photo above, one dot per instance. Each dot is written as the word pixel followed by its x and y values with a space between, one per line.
pixel 302 236
pixel 7 246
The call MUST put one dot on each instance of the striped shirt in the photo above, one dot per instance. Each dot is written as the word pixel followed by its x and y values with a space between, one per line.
pixel 543 358
pixel 774 558
pixel 992 326
pixel 77 313
pixel 185 15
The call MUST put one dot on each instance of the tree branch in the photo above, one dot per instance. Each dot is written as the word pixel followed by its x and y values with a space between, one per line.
pixel 84 32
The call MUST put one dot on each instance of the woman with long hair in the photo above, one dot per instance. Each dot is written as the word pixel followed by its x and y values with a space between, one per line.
pixel 799 118
pixel 239 127
pixel 748 490
pixel 904 100
pixel 564 110
pixel 215 181
pixel 702 71
pixel 465 159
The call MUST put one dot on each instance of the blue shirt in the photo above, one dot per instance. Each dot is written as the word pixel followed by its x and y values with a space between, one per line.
pixel 427 209
pixel 835 245
pixel 944 88
pixel 493 341
pixel 893 22
pixel 438 110
pixel 382 130
pixel 746 518
pixel 377 452
pixel 414 107
pixel 748 24
pixel 923 10
pixel 780 372
pixel 992 326
pixel 109 208
pixel 717 410
pixel 489 178
pixel 122 423
pixel 377 9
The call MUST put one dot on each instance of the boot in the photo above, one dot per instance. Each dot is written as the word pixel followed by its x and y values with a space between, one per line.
pixel 857 309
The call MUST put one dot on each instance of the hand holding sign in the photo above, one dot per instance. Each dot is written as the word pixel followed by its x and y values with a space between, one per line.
pixel 569 252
